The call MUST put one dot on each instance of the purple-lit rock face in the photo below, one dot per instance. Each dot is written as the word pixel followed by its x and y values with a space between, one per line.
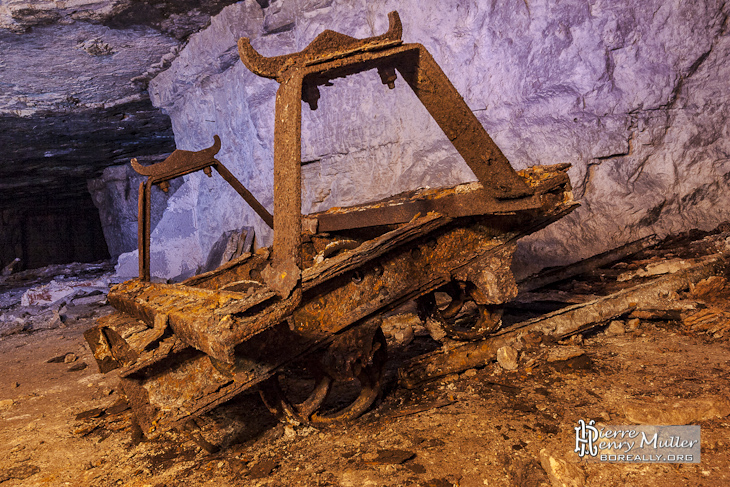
pixel 633 94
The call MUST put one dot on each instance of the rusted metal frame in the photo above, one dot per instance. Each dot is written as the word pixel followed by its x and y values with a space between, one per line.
pixel 332 55
pixel 284 273
pixel 217 332
pixel 444 104
pixel 390 280
pixel 307 335
pixel 181 163
pixel 402 274
pixel 245 194
pixel 463 200
pixel 266 352
pixel 324 60
pixel 145 203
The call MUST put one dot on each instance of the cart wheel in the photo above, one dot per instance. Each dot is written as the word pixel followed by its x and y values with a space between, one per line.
pixel 460 317
pixel 315 409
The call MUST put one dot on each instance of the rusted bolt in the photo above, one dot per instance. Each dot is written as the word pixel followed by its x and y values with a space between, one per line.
pixel 388 76
pixel 208 172
pixel 378 270
pixel 165 186
pixel 310 95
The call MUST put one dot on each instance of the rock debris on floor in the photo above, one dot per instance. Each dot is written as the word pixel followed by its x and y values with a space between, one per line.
pixel 508 421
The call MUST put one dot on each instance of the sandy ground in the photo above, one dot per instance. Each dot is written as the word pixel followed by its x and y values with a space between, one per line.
pixel 60 426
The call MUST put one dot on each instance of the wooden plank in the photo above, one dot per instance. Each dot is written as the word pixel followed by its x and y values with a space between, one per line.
pixel 371 249
pixel 560 324
pixel 586 265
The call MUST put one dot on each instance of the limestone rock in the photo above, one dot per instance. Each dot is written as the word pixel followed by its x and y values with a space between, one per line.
pixel 507 357
pixel 560 472
pixel 56 290
pixel 614 328
pixel 632 94
pixel 677 411
pixel 230 245
pixel 400 328
pixel 74 101
pixel 559 354
pixel 656 269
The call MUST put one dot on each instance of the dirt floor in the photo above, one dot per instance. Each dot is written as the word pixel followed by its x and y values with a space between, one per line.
pixel 483 427
pixel 64 424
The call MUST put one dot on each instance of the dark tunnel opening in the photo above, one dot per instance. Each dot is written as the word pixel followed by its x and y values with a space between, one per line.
pixel 51 232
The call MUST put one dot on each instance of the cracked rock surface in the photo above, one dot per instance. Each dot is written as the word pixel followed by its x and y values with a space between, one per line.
pixel 73 99
pixel 633 94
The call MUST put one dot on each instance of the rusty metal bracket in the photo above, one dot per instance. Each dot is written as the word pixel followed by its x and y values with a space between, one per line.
pixel 333 55
pixel 180 163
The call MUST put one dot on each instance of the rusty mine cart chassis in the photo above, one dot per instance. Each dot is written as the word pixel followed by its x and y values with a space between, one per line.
pixel 315 300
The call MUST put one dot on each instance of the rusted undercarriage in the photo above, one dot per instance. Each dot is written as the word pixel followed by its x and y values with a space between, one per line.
pixel 315 299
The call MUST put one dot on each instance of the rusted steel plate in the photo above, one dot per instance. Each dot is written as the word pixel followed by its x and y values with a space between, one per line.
pixel 460 201
pixel 166 389
pixel 118 340
pixel 347 261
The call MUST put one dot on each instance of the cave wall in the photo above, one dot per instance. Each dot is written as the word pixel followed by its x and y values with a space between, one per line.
pixel 115 194
pixel 633 94
pixel 74 101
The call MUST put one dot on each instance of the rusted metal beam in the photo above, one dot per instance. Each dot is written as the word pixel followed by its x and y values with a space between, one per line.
pixel 560 324
pixel 249 198
pixel 285 271
pixel 464 200
pixel 333 55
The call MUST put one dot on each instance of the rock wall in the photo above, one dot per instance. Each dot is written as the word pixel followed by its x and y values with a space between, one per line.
pixel 115 193
pixel 633 94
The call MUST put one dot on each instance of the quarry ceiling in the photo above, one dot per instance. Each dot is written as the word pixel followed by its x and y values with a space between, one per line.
pixel 74 89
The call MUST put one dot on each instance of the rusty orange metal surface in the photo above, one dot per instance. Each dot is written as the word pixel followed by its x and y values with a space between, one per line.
pixel 317 296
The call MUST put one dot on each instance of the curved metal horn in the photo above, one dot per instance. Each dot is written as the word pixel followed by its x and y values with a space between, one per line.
pixel 270 67
pixel 395 28
pixel 266 67
pixel 179 160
